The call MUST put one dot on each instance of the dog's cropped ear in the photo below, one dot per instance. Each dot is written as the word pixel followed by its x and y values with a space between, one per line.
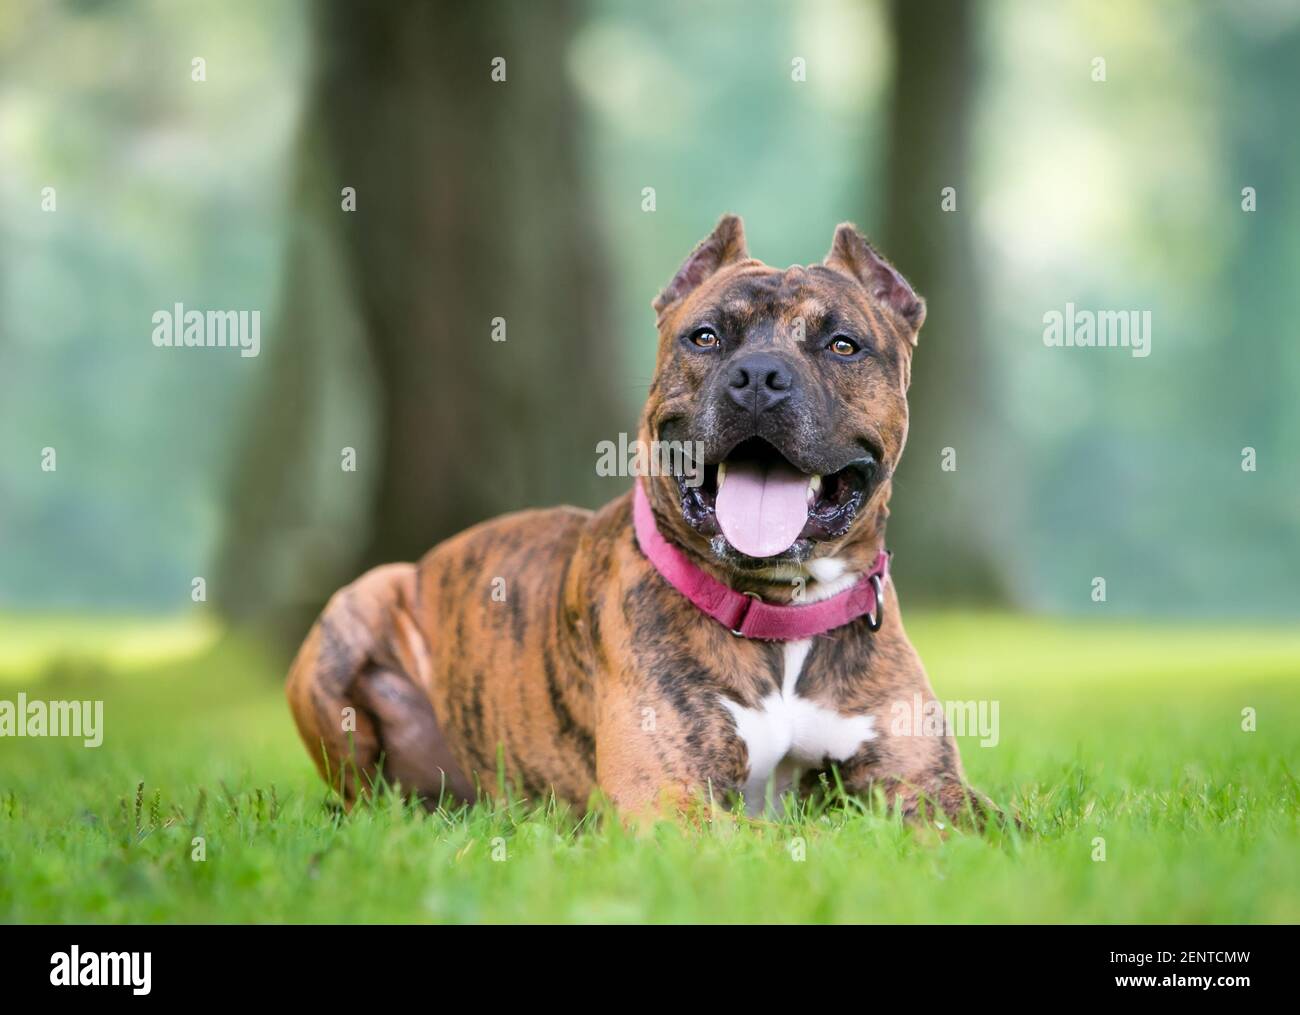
pixel 725 245
pixel 855 257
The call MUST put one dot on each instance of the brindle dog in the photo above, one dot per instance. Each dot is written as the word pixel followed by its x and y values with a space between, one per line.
pixel 591 671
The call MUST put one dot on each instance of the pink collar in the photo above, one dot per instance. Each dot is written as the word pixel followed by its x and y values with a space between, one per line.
pixel 746 615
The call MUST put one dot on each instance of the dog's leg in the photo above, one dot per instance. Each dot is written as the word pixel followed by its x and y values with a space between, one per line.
pixel 920 776
pixel 928 801
pixel 356 691
pixel 413 752
pixel 339 735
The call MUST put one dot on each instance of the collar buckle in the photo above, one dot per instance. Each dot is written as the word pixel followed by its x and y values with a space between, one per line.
pixel 753 598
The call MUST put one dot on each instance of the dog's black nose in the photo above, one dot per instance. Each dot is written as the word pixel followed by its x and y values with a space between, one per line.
pixel 759 381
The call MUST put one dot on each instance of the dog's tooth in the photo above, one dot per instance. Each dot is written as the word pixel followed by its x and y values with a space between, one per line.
pixel 814 488
pixel 722 473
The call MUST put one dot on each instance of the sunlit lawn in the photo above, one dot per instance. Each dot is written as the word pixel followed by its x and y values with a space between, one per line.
pixel 1128 734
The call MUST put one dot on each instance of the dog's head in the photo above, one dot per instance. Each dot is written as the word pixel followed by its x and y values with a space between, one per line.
pixel 794 384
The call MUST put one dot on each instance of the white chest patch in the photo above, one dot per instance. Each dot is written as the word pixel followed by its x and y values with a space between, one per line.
pixel 786 731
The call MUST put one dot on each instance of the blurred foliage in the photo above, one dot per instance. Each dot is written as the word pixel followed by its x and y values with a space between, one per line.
pixel 1115 195
pixel 168 191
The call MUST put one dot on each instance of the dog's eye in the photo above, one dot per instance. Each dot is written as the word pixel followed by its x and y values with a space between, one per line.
pixel 705 338
pixel 842 345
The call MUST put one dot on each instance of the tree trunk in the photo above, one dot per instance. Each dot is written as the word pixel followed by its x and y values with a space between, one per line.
pixel 944 524
pixel 470 210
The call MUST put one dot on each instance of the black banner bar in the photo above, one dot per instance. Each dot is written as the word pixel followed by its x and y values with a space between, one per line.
pixel 332 964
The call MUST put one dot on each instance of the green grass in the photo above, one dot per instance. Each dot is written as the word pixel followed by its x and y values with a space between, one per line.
pixel 1128 733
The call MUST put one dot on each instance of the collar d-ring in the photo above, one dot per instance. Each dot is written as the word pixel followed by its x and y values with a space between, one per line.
pixel 875 618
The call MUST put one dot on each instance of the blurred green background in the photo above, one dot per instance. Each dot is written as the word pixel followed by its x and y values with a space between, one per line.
pixel 524 199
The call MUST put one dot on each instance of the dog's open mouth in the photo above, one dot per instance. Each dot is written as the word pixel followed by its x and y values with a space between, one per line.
pixel 764 505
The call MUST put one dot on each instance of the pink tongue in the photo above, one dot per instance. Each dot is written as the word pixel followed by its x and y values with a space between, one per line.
pixel 762 509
